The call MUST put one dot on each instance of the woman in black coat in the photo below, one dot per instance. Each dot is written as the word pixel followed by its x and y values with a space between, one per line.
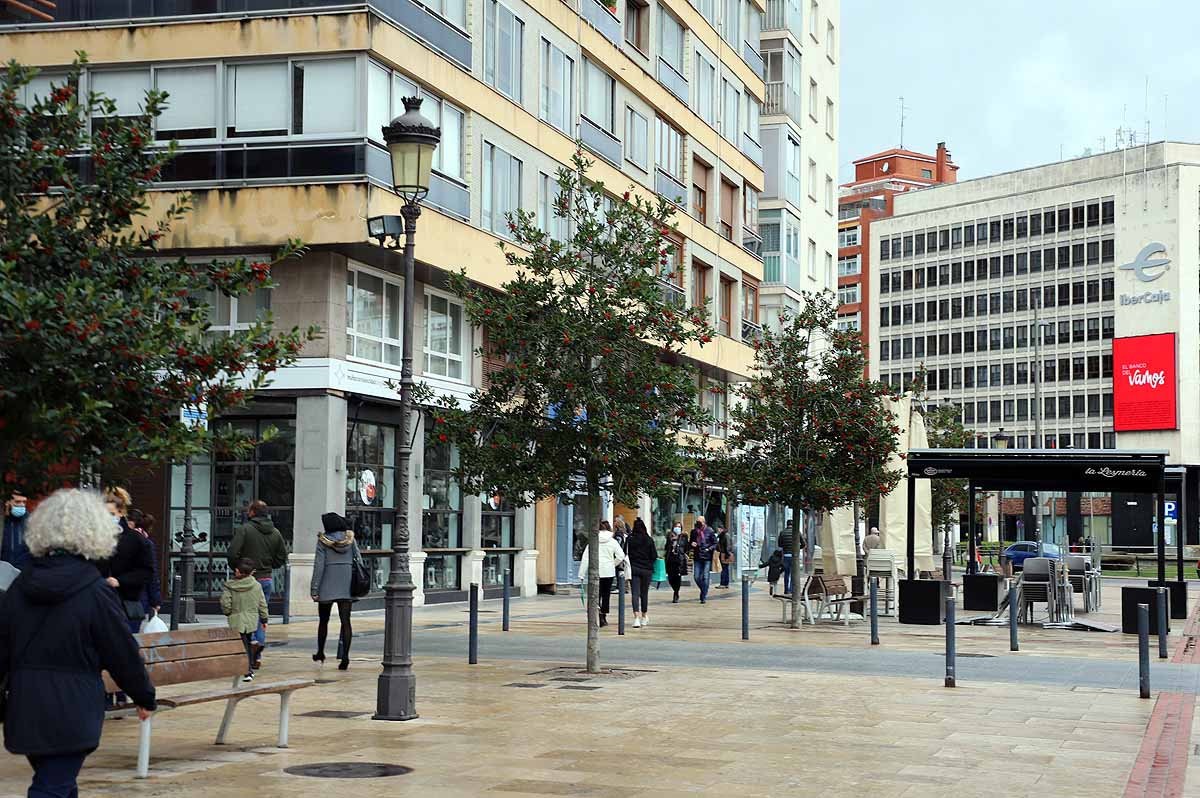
pixel 675 553
pixel 131 567
pixel 642 556
pixel 60 626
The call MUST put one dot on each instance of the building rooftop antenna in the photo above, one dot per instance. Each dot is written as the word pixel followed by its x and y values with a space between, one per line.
pixel 903 116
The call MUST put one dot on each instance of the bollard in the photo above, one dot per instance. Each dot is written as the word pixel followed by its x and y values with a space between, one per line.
pixel 745 606
pixel 473 634
pixel 874 610
pixel 1143 650
pixel 504 623
pixel 287 594
pixel 1012 620
pixel 620 602
pixel 176 590
pixel 1162 623
pixel 950 640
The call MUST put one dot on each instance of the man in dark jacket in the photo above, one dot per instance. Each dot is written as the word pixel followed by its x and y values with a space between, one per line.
pixel 703 543
pixel 260 541
pixel 13 549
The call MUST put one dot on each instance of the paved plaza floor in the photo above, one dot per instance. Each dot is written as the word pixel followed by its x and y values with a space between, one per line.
pixel 691 710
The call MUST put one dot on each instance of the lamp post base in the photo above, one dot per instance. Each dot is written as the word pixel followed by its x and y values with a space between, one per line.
pixel 396 694
pixel 396 698
pixel 187 609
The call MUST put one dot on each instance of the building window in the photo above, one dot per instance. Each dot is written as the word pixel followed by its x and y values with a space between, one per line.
pixel 793 179
pixel 850 265
pixel 700 174
pixel 599 91
pixel 828 194
pixel 443 337
pixel 700 284
pixel 829 117
pixel 670 40
pixel 371 490
pixel 705 78
pixel 558 87
pixel 637 138
pixel 669 148
pixel 227 314
pixel 373 316
pixel 749 301
pixel 714 398
pixel 725 308
pixel 729 205
pixel 812 98
pixel 441 512
pixel 385 93
pixel 503 45
pixel 812 180
pixel 256 99
pixel 814 14
pixel 549 220
pixel 830 45
pixel 196 118
pixel 849 237
pixel 730 113
pixel 849 295
pixel 501 194
pixel 636 23
pixel 497 526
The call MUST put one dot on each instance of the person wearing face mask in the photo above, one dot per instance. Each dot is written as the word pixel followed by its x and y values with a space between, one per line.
pixel 13 550
pixel 675 554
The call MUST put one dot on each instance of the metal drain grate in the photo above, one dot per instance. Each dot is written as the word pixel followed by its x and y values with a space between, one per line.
pixel 578 687
pixel 332 713
pixel 348 770
pixel 570 679
pixel 977 656
pixel 529 685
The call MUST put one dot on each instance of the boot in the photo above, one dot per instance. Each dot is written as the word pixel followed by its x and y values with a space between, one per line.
pixel 603 619
pixel 675 598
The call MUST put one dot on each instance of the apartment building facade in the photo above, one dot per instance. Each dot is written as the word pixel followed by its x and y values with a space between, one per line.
pixel 877 179
pixel 797 212
pixel 278 107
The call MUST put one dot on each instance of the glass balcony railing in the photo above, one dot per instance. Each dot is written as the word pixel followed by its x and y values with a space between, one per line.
pixel 602 20
pixel 672 294
pixel 783 99
pixel 783 15
pixel 751 331
pixel 751 56
pixel 752 149
pixel 600 141
pixel 772 265
pixel 670 188
pixel 676 83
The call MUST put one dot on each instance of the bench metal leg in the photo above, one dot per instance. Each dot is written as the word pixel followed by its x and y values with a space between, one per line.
pixel 230 706
pixel 285 711
pixel 143 762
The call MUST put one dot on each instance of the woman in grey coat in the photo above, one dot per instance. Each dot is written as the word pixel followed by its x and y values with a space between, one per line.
pixel 336 550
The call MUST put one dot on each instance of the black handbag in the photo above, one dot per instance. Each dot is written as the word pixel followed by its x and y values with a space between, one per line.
pixel 134 611
pixel 360 576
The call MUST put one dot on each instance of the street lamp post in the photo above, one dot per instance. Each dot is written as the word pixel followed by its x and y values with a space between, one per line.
pixel 411 141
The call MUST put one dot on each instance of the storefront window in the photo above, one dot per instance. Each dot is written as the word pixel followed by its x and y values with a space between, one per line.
pixel 441 513
pixel 371 493
pixel 497 526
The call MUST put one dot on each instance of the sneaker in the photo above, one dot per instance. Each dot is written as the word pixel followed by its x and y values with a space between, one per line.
pixel 645 622
pixel 249 677
pixel 637 623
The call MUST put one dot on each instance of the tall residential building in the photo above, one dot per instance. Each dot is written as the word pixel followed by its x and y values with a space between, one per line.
pixel 800 45
pixel 877 179
pixel 278 105
pixel 1057 303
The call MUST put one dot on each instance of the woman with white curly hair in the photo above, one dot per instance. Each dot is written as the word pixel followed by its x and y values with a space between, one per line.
pixel 61 624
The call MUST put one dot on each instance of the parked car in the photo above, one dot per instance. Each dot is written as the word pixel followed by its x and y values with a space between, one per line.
pixel 1018 553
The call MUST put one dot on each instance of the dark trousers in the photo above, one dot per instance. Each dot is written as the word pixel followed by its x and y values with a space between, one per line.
pixel 641 590
pixel 324 610
pixel 248 644
pixel 675 580
pixel 55 776
pixel 724 574
pixel 606 583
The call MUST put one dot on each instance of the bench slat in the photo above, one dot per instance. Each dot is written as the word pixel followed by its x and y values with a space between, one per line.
pixel 191 651
pixel 194 670
pixel 248 691
pixel 185 636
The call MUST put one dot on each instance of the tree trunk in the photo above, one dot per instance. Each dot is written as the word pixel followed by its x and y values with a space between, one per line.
pixel 591 515
pixel 797 566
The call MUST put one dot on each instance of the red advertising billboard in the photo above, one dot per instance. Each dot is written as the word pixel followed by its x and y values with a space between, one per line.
pixel 1144 389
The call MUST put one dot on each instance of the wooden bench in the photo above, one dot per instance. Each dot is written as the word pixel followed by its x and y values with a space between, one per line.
pixel 200 655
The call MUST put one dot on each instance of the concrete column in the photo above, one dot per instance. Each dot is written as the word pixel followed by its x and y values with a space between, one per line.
pixel 525 561
pixel 992 519
pixel 320 483
pixel 472 570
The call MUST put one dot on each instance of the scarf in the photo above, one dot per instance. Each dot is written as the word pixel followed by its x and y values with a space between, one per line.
pixel 337 544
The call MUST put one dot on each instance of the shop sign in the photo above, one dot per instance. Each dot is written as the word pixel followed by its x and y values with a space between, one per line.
pixel 1144 383
pixel 1147 268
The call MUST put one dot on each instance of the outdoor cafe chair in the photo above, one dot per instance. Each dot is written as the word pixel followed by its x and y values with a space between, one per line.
pixel 1037 585
pixel 1083 579
pixel 882 563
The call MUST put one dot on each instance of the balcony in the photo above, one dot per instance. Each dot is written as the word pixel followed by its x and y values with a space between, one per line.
pixel 599 140
pixel 445 193
pixel 782 99
pixel 752 150
pixel 603 20
pixel 675 83
pixel 672 294
pixel 772 265
pixel 751 331
pixel 670 188
pixel 752 242
pixel 751 56
pixel 782 15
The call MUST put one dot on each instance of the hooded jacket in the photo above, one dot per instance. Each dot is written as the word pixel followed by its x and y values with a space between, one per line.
pixel 60 626
pixel 131 564
pixel 259 540
pixel 642 551
pixel 244 604
pixel 336 550
pixel 611 556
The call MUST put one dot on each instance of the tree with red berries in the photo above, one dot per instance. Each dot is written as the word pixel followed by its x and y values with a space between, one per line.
pixel 809 430
pixel 103 340
pixel 595 393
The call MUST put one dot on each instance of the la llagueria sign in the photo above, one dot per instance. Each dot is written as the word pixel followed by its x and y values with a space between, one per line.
pixel 1144 383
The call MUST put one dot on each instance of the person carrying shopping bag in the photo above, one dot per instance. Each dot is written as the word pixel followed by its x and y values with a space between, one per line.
pixel 611 556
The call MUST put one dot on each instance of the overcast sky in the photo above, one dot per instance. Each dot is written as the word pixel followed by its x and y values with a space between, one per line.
pixel 1012 84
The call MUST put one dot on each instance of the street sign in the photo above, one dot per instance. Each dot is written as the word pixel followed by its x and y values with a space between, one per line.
pixel 1172 510
pixel 194 416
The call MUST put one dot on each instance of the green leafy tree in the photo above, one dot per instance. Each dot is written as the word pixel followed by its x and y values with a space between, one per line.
pixel 103 341
pixel 594 394
pixel 810 431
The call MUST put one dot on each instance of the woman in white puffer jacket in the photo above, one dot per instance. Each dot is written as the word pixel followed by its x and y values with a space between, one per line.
pixel 612 557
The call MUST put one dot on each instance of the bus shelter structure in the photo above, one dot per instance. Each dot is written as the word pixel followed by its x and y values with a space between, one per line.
pixel 1082 470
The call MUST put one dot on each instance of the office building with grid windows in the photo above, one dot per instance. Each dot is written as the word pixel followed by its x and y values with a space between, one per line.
pixel 278 107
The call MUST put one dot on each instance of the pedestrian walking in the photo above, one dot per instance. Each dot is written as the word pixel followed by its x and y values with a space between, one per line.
pixel 725 553
pixel 260 541
pixel 332 571
pixel 129 570
pixel 675 554
pixel 13 549
pixel 610 556
pixel 62 626
pixel 703 544
pixel 872 541
pixel 245 605
pixel 143 524
pixel 785 545
pixel 774 566
pixel 642 557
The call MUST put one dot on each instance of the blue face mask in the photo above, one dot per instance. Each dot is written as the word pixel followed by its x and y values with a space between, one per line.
pixel 18 511
pixel 117 521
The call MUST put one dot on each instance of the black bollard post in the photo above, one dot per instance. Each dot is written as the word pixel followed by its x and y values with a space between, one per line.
pixel 874 610
pixel 950 640
pixel 620 602
pixel 1162 623
pixel 473 633
pixel 1143 650
pixel 1012 620
pixel 745 606
pixel 287 593
pixel 176 590
pixel 504 624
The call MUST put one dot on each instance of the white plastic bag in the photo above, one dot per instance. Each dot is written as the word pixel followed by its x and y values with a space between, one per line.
pixel 154 624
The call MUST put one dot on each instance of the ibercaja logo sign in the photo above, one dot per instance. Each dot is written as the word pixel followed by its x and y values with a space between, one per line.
pixel 1144 385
